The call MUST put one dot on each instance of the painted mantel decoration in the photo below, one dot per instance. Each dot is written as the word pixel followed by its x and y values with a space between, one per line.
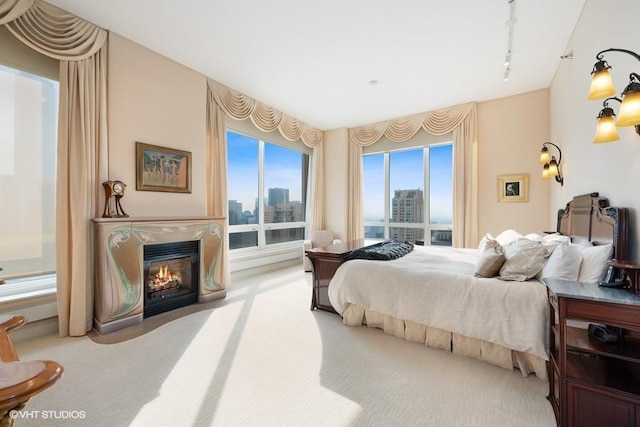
pixel 119 290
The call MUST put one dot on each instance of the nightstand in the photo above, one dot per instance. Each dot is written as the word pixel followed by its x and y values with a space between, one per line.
pixel 593 383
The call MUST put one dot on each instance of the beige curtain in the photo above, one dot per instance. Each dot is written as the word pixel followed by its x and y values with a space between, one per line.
pixel 82 164
pixel 267 119
pixel 462 122
pixel 217 173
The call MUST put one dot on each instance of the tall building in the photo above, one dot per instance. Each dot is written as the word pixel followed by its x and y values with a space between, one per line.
pixel 407 206
pixel 278 196
pixel 235 212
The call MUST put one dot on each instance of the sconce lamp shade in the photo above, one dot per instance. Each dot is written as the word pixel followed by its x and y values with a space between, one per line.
pixel 544 155
pixel 553 167
pixel 630 108
pixel 545 171
pixel 601 83
pixel 606 130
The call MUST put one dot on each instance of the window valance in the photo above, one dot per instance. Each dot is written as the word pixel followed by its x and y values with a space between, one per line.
pixel 399 130
pixel 51 31
pixel 267 119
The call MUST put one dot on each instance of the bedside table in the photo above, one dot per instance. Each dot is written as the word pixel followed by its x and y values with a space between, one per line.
pixel 593 383
pixel 325 261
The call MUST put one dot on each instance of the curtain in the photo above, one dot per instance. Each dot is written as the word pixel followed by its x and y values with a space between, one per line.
pixel 462 122
pixel 267 119
pixel 82 155
pixel 217 204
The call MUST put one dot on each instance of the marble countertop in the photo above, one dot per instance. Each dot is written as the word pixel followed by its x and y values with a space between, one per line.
pixel 591 291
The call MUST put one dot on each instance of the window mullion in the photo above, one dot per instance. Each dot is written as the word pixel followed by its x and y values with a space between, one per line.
pixel 387 195
pixel 427 198
pixel 262 241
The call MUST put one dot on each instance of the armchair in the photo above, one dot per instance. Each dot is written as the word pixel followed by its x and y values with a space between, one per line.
pixel 317 239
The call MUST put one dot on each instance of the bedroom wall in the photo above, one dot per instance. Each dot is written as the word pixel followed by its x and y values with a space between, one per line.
pixel 510 135
pixel 155 100
pixel 612 169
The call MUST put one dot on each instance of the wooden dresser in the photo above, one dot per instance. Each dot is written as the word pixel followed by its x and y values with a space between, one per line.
pixel 593 383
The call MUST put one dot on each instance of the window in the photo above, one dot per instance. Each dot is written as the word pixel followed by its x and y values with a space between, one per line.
pixel 267 191
pixel 396 205
pixel 28 135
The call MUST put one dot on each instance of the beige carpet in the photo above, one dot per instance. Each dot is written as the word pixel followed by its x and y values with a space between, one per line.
pixel 261 358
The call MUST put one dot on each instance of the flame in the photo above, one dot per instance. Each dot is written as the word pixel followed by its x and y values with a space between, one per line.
pixel 165 279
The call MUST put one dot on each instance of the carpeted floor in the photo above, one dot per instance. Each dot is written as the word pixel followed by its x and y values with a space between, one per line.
pixel 261 358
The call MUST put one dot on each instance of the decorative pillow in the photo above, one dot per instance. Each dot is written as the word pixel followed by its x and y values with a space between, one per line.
pixel 593 266
pixel 523 260
pixel 507 237
pixel 490 261
pixel 564 263
pixel 487 242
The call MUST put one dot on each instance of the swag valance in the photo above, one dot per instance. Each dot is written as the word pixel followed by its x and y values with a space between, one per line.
pixel 267 119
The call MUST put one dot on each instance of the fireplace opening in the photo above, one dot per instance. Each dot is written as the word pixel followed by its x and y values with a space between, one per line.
pixel 171 276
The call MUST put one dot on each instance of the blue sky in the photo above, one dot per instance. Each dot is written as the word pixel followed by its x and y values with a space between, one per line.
pixel 283 169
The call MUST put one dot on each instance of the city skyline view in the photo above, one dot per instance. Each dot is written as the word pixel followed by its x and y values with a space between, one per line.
pixel 406 170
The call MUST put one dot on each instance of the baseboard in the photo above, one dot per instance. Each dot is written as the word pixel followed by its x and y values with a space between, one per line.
pixel 35 329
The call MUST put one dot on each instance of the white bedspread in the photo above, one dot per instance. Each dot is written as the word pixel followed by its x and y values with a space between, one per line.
pixel 435 286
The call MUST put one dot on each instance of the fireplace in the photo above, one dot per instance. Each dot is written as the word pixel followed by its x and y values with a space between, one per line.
pixel 170 276
pixel 130 254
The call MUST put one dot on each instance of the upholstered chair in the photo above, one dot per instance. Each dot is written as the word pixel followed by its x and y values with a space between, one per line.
pixel 317 239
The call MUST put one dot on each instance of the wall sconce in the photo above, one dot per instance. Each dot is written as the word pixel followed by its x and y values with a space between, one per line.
pixel 602 87
pixel 551 167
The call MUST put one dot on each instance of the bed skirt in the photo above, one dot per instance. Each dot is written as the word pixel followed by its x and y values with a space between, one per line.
pixel 485 351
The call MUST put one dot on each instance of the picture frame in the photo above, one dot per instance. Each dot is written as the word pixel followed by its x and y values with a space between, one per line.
pixel 513 188
pixel 162 169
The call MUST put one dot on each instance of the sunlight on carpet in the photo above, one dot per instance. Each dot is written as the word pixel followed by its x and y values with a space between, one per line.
pixel 260 357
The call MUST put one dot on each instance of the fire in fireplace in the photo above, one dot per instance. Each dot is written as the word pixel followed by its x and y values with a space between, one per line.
pixel 171 272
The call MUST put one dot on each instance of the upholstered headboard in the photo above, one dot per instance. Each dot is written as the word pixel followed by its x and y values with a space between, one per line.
pixel 589 217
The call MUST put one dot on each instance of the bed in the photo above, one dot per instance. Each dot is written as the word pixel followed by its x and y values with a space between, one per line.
pixel 433 296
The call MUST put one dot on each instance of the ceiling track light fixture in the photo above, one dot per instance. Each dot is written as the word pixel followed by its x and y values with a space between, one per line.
pixel 510 23
pixel 602 87
pixel 551 166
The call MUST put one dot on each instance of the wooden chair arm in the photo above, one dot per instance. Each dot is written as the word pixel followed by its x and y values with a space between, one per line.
pixel 7 350
pixel 10 397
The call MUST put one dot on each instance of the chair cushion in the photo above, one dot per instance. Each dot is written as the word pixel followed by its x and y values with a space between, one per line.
pixel 320 238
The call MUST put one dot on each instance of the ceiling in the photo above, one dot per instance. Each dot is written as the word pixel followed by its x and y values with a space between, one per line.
pixel 315 60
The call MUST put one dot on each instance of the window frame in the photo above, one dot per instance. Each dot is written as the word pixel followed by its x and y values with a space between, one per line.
pixel 261 227
pixel 426 226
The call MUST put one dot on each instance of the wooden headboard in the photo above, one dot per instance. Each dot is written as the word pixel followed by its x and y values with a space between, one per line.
pixel 589 217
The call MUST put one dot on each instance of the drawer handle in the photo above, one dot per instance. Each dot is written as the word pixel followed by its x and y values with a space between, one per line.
pixel 553 299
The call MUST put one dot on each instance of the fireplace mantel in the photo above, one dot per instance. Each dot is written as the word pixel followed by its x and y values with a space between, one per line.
pixel 119 245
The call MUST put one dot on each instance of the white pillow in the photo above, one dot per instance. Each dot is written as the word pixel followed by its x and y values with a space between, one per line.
pixel 534 236
pixel 593 266
pixel 487 242
pixel 507 237
pixel 524 259
pixel 564 263
pixel 556 237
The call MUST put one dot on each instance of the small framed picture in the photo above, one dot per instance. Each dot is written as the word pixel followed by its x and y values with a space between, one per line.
pixel 162 169
pixel 513 188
